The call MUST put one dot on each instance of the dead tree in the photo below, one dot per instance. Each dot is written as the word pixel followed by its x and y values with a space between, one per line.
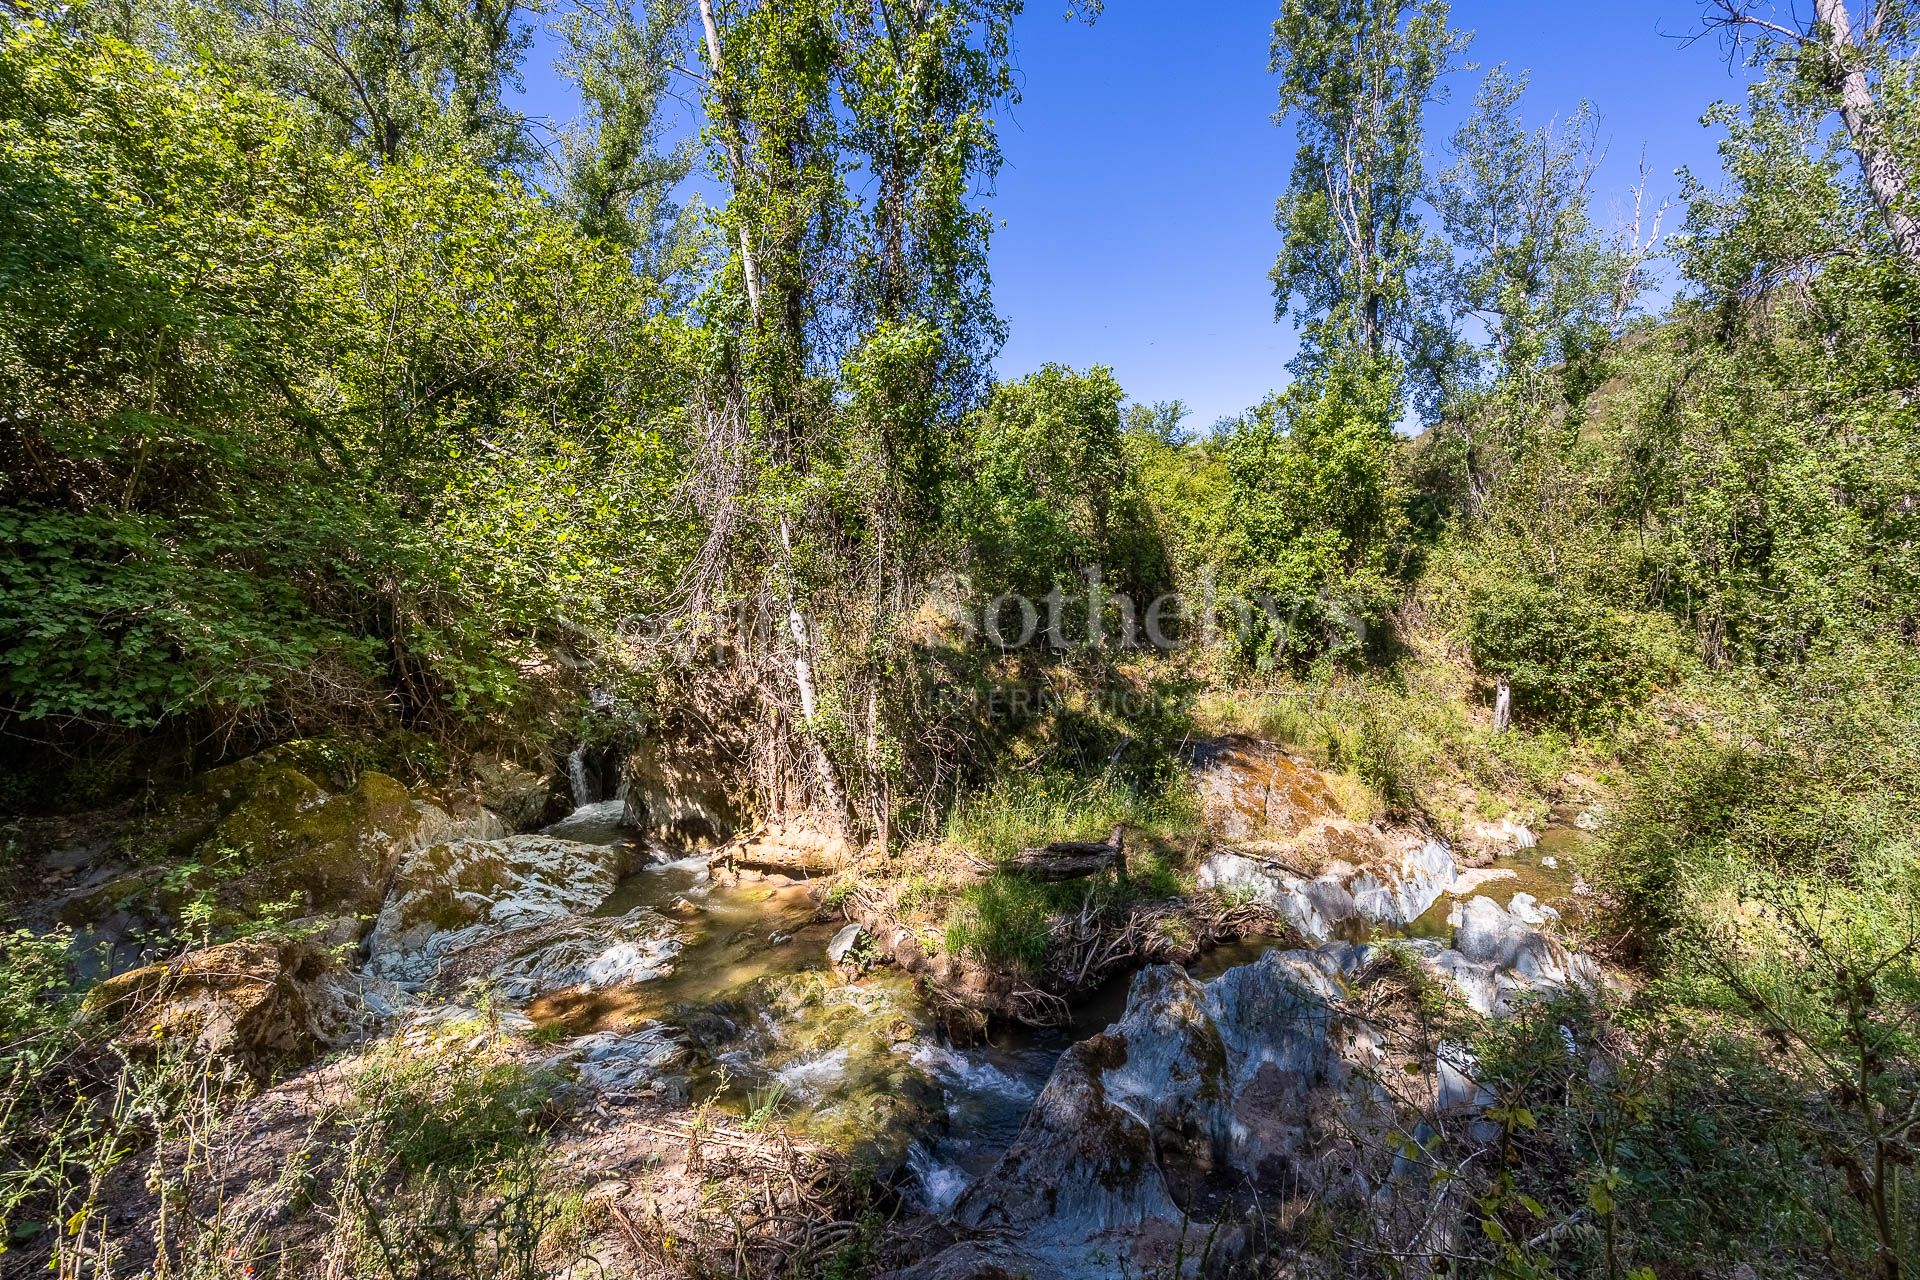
pixel 1068 859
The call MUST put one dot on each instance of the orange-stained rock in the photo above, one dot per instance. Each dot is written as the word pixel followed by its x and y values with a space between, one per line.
pixel 1254 790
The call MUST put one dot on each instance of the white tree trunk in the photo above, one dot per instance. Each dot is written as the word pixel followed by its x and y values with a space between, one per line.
pixel 1886 178
pixel 736 160
pixel 801 634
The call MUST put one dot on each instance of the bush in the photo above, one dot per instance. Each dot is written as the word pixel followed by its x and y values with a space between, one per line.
pixel 1571 659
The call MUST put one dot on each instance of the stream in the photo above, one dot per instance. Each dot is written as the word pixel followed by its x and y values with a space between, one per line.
pixel 790 1035
pixel 777 1031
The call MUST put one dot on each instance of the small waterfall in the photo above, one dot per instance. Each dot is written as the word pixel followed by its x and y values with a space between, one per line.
pixel 584 792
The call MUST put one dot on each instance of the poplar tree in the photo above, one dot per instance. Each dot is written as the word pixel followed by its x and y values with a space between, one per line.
pixel 855 331
pixel 1356 77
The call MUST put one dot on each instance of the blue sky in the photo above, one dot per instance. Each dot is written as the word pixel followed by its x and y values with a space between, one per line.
pixel 1142 166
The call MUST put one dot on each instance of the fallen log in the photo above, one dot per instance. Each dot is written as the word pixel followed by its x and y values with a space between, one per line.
pixel 1068 859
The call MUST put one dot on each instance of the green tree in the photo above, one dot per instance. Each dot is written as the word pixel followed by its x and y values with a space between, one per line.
pixel 1356 78
pixel 387 78
pixel 1313 496
pixel 293 439
pixel 1047 492
pixel 612 173
pixel 855 332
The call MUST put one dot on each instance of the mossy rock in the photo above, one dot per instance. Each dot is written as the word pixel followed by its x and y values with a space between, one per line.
pixel 262 835
pixel 289 840
pixel 120 893
pixel 523 799
pixel 256 1003
pixel 182 821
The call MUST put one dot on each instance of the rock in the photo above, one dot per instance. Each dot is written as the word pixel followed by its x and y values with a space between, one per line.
pixel 1500 837
pixel 287 839
pixel 1252 789
pixel 451 896
pixel 468 822
pixel 1394 894
pixel 1198 1098
pixel 258 1004
pixel 1468 883
pixel 843 943
pixel 583 952
pixel 678 794
pixel 1399 894
pixel 1207 1101
pixel 285 830
pixel 652 1059
pixel 522 798
pixel 1497 956
pixel 799 849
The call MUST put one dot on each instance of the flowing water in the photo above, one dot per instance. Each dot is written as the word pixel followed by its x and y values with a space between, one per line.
pixel 791 1035
pixel 584 791
pixel 860 1062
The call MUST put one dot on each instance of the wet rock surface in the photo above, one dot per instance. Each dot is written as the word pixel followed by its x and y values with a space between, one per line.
pixel 450 897
pixel 1205 1101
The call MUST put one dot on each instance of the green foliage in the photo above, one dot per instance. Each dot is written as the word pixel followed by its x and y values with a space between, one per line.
pixel 453 1111
pixel 1006 920
pixel 1046 494
pixel 1021 810
pixel 34 984
pixel 388 80
pixel 1810 776
pixel 279 451
pixel 1570 658
pixel 1316 514
pixel 1355 80
pixel 1609 1167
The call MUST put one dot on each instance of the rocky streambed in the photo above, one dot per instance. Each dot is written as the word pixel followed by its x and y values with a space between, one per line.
pixel 1178 1108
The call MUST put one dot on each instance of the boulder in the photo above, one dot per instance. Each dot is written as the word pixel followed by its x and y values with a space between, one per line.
pixel 263 832
pixel 469 821
pixel 259 1004
pixel 1201 1098
pixel 1410 876
pixel 1208 1101
pixel 522 798
pixel 584 953
pixel 288 839
pixel 652 1059
pixel 801 849
pixel 1501 954
pixel 450 896
pixel 678 794
pixel 1254 790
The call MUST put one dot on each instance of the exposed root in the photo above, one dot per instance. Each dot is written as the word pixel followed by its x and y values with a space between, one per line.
pixel 1084 951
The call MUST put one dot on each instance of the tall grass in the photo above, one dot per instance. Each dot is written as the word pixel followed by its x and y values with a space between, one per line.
pixel 1026 809
pixel 1007 921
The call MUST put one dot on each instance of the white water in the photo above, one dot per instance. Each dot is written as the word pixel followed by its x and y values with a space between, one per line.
pixel 583 789
pixel 595 823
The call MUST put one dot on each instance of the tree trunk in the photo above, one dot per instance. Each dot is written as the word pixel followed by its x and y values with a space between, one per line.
pixel 828 777
pixel 1886 178
pixel 801 634
pixel 736 159
pixel 1502 705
